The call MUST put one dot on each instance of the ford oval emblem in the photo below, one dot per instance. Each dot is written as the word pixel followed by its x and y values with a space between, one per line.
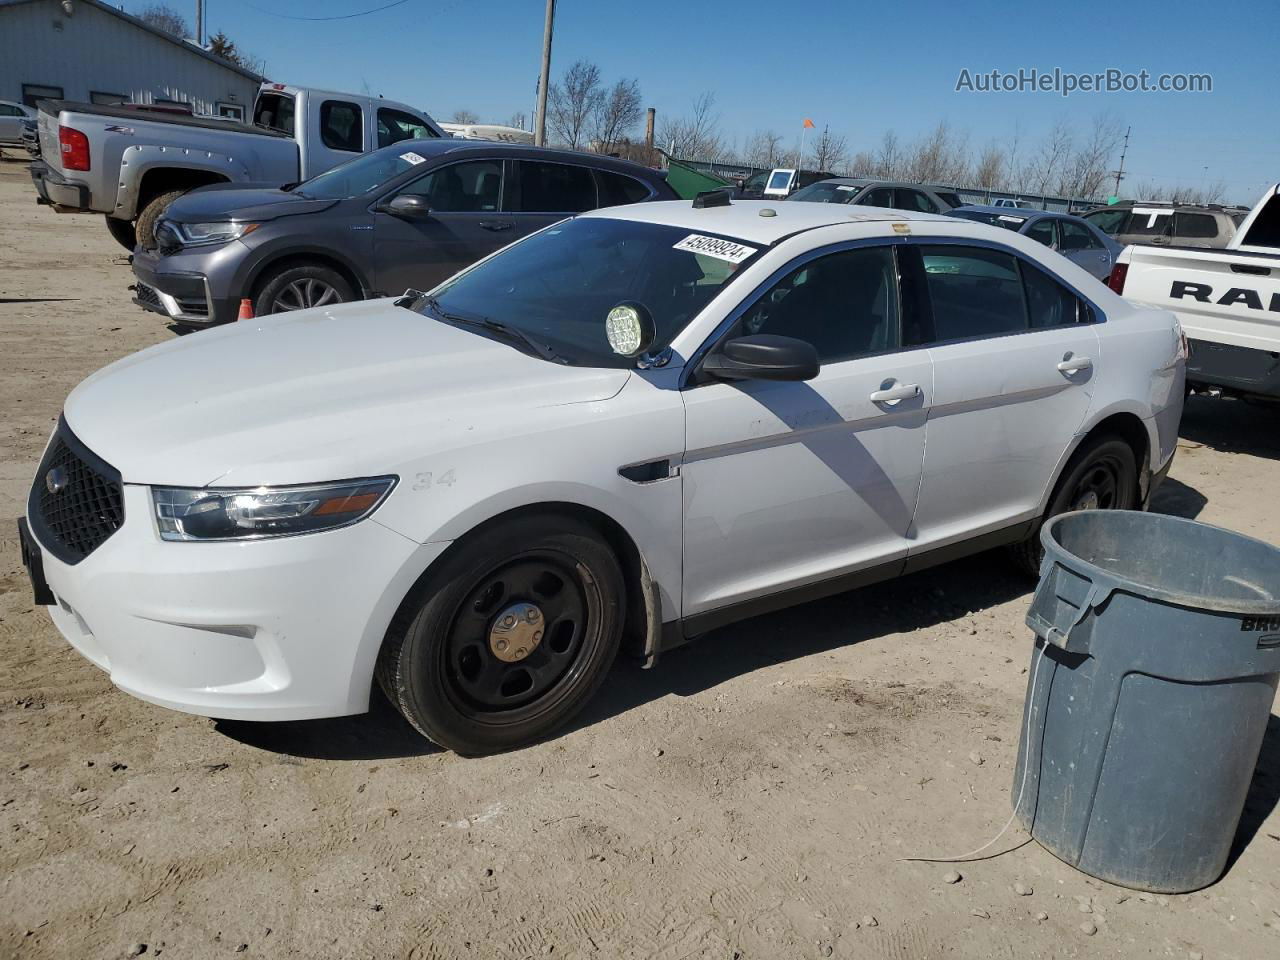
pixel 55 481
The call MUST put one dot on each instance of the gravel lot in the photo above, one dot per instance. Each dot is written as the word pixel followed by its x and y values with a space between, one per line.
pixel 748 798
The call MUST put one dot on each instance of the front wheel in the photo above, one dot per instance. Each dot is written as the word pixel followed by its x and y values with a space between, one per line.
pixel 301 287
pixel 1101 475
pixel 509 638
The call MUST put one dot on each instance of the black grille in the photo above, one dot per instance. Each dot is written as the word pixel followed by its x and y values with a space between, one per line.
pixel 77 501
pixel 193 306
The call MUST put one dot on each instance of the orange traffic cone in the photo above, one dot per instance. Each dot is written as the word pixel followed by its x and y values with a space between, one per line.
pixel 246 309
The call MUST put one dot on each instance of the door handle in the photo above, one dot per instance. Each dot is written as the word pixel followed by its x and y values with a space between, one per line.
pixel 901 391
pixel 1075 364
pixel 496 225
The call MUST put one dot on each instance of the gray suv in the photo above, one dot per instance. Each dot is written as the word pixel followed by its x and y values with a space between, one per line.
pixel 408 215
pixel 1168 224
pixel 920 197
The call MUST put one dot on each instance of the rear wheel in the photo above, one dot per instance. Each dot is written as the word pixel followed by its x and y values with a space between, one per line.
pixel 509 638
pixel 301 286
pixel 1102 475
pixel 145 225
pixel 122 232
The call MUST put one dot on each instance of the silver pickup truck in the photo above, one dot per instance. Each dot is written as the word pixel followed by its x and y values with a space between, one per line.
pixel 130 163
pixel 1228 302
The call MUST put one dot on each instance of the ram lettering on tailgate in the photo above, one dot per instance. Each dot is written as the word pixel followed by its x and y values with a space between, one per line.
pixel 1203 293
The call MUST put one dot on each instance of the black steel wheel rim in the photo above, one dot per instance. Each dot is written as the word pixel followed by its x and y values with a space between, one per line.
pixel 483 686
pixel 1099 487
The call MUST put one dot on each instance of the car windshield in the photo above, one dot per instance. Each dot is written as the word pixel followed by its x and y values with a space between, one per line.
pixel 361 175
pixel 558 286
pixel 824 191
pixel 1006 220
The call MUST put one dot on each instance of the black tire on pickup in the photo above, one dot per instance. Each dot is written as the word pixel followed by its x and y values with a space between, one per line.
pixel 122 232
pixel 145 225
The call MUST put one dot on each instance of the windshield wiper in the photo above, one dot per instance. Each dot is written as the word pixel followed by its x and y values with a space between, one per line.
pixel 505 329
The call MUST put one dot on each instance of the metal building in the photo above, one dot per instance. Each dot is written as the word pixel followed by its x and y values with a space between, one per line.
pixel 90 52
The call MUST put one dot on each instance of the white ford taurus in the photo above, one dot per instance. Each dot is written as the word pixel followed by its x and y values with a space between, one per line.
pixel 625 430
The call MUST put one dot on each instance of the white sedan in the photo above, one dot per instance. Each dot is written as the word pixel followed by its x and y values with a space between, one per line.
pixel 625 430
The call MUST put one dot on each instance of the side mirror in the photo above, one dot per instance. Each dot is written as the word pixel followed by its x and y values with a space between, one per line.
pixel 408 206
pixel 763 357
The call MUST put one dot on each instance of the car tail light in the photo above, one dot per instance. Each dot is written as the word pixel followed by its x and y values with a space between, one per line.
pixel 75 149
pixel 1116 280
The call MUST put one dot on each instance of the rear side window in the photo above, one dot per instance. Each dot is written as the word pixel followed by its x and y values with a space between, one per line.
pixel 1049 303
pixel 915 200
pixel 1042 232
pixel 396 125
pixel 553 188
pixel 1200 225
pixel 974 292
pixel 951 198
pixel 1076 237
pixel 1265 229
pixel 274 111
pixel 341 126
pixel 617 189
pixel 879 197
pixel 1148 223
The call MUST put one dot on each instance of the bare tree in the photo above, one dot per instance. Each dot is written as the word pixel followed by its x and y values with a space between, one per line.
pixel 1178 193
pixel 941 156
pixel 862 164
pixel 1085 172
pixel 991 171
pixel 763 149
pixel 519 120
pixel 617 114
pixel 696 136
pixel 464 116
pixel 889 157
pixel 164 17
pixel 1045 170
pixel 828 150
pixel 574 101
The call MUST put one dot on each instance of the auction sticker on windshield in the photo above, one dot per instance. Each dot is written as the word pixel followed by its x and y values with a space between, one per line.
pixel 715 247
pixel 413 158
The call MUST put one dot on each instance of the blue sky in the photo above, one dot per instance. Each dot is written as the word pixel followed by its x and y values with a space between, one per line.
pixel 862 68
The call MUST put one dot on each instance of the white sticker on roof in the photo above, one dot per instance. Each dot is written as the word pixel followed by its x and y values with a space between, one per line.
pixel 715 247
pixel 413 158
pixel 845 186
pixel 1012 219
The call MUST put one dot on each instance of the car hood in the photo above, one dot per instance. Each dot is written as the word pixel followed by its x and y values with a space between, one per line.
pixel 324 394
pixel 212 204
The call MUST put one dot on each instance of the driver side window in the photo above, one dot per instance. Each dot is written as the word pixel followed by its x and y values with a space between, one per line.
pixel 474 186
pixel 845 304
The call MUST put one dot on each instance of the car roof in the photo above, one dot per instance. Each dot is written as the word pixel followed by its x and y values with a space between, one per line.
pixel 866 182
pixel 743 219
pixel 1026 213
pixel 438 146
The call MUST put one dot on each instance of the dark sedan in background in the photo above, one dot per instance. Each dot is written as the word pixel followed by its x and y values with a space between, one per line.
pixel 1078 240
pixel 408 215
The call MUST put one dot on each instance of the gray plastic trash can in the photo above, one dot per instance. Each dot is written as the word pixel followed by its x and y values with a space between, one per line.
pixel 1155 667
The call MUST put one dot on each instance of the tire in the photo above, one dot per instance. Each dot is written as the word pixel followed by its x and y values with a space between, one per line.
pixel 145 225
pixel 301 286
pixel 122 232
pixel 1101 475
pixel 440 662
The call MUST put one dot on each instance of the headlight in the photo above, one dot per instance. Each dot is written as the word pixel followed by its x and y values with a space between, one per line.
pixel 194 234
pixel 250 513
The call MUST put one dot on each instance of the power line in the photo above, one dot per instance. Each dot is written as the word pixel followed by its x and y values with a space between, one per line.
pixel 342 16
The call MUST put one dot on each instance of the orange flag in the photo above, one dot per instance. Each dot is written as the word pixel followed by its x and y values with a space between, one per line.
pixel 808 124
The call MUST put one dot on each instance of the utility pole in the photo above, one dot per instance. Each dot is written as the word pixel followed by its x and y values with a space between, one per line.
pixel 648 135
pixel 200 23
pixel 544 79
pixel 1120 171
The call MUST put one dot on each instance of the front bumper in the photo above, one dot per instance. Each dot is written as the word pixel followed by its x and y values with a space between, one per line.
pixel 182 295
pixel 1234 369
pixel 53 189
pixel 278 629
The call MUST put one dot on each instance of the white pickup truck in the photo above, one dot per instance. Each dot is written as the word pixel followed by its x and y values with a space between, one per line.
pixel 130 163
pixel 1228 302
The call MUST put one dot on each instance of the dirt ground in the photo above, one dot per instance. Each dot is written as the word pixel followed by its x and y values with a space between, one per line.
pixel 746 799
